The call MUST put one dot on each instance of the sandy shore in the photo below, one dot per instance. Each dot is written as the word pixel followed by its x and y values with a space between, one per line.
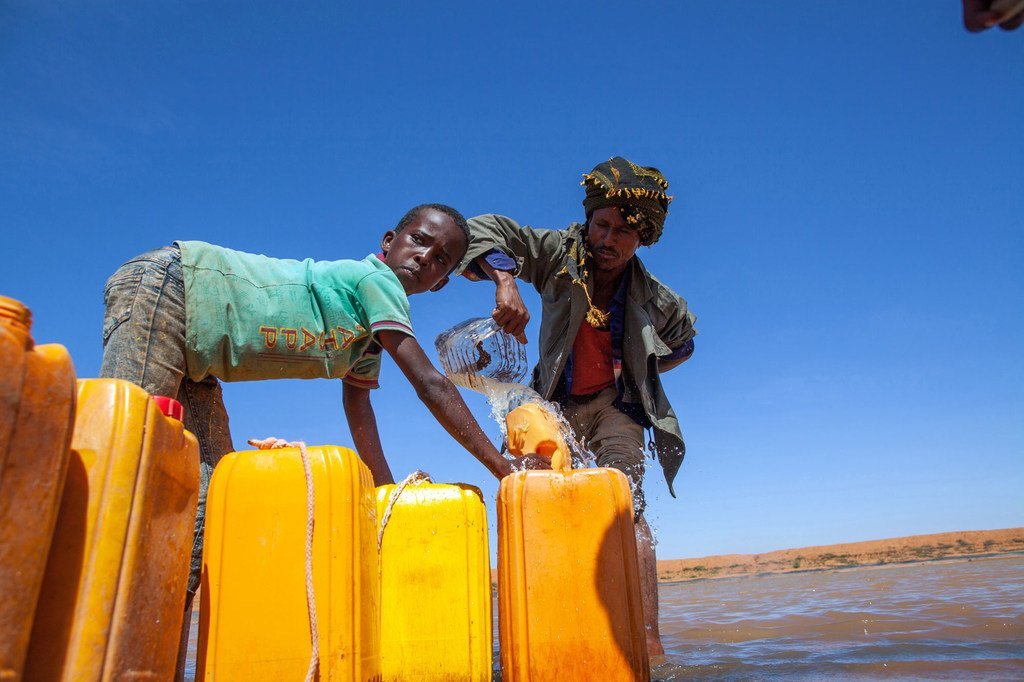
pixel 870 553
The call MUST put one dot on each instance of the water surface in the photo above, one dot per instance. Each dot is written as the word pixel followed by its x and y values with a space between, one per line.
pixel 954 619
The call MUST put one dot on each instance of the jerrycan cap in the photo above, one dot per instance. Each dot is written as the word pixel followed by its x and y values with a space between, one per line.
pixel 16 317
pixel 169 407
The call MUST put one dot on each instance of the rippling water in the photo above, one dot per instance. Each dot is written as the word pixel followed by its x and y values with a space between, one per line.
pixel 943 620
pixel 937 620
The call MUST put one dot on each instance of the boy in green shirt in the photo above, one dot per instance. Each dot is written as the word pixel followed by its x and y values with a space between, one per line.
pixel 182 318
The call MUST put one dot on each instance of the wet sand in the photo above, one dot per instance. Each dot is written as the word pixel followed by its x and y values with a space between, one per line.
pixel 913 548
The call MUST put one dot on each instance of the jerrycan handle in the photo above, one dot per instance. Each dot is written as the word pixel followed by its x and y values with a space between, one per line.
pixel 169 407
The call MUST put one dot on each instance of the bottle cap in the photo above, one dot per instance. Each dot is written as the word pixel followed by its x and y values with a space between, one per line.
pixel 169 407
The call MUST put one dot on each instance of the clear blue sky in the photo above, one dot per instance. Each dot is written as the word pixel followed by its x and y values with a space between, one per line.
pixel 847 224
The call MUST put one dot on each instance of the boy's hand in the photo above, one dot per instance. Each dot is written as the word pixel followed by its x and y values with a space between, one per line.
pixel 524 463
pixel 531 462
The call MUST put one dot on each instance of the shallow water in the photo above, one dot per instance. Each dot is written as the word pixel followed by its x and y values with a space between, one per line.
pixel 937 620
pixel 943 620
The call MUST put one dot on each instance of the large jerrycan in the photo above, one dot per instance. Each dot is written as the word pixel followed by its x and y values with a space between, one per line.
pixel 254 619
pixel 435 583
pixel 568 577
pixel 113 598
pixel 37 410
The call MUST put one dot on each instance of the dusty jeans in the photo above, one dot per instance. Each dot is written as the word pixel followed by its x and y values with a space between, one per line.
pixel 615 439
pixel 144 343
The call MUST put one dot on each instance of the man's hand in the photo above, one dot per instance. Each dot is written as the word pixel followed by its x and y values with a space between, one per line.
pixel 509 310
pixel 982 14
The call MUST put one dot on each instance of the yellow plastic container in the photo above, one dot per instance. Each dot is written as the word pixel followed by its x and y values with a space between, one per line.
pixel 568 580
pixel 37 410
pixel 254 621
pixel 113 597
pixel 532 429
pixel 435 584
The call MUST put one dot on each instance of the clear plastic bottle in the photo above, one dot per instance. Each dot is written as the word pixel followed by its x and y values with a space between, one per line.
pixel 477 354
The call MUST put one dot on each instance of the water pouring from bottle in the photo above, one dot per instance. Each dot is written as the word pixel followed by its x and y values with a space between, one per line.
pixel 478 355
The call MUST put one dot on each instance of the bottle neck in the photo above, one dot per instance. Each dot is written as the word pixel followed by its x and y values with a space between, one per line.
pixel 17 319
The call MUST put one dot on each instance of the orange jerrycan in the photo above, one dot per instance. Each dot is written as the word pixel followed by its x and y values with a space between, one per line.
pixel 532 429
pixel 435 583
pixel 254 621
pixel 568 577
pixel 37 410
pixel 113 597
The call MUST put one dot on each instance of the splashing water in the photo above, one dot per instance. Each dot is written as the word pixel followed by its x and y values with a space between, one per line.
pixel 478 355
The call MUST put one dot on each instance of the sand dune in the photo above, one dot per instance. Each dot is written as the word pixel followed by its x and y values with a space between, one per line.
pixel 869 553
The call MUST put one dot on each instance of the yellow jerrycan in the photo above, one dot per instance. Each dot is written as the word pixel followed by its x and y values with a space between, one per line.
pixel 435 582
pixel 37 411
pixel 569 602
pixel 113 597
pixel 254 621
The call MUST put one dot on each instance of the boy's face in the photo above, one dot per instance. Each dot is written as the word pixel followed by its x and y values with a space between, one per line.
pixel 423 253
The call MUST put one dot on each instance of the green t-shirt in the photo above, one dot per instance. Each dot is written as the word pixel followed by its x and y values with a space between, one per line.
pixel 250 317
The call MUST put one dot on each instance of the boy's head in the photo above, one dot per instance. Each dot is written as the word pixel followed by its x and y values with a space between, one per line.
pixel 425 246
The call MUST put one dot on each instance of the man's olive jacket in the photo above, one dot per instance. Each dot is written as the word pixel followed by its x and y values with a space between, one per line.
pixel 656 319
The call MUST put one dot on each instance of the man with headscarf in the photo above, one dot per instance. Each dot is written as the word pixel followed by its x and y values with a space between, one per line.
pixel 608 328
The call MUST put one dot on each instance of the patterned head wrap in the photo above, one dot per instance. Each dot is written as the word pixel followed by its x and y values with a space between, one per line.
pixel 638 192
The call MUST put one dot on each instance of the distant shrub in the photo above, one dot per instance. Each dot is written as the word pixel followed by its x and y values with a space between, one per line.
pixel 797 561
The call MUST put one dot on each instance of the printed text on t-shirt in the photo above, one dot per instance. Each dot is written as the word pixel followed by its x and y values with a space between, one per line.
pixel 321 340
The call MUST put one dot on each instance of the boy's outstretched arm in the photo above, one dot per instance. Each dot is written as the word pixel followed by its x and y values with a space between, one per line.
pixel 363 424
pixel 444 402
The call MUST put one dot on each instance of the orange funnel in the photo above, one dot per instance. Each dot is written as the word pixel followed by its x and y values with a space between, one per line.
pixel 533 429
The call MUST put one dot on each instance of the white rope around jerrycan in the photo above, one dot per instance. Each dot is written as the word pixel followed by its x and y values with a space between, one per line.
pixel 414 478
pixel 272 443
